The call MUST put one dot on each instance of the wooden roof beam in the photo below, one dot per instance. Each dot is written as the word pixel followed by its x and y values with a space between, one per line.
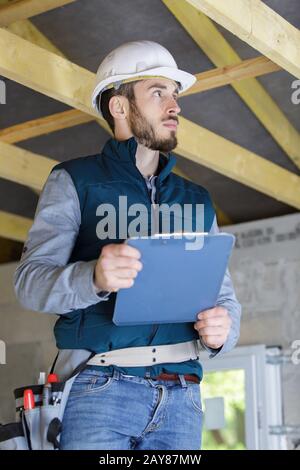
pixel 219 51
pixel 44 125
pixel 229 74
pixel 259 26
pixel 205 81
pixel 22 9
pixel 14 226
pixel 72 85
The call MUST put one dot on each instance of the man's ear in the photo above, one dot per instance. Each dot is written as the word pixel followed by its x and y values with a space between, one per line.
pixel 118 107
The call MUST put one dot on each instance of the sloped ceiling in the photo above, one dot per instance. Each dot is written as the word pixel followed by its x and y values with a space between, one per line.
pixel 86 31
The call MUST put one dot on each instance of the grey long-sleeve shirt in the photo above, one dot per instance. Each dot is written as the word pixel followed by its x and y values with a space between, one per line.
pixel 45 282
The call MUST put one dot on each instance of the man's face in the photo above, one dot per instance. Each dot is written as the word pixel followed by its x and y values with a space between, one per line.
pixel 153 116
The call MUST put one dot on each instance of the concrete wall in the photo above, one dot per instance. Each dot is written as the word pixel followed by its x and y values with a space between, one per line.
pixel 265 267
pixel 29 341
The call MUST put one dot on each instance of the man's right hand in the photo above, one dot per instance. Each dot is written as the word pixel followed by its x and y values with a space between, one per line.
pixel 116 268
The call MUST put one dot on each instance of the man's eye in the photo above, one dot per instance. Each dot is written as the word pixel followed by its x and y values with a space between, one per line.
pixel 157 92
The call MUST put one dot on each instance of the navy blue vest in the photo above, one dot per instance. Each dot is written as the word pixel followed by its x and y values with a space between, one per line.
pixel 100 179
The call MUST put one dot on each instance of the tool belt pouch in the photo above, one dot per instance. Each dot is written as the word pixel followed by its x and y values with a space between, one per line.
pixel 42 425
pixel 39 428
pixel 12 437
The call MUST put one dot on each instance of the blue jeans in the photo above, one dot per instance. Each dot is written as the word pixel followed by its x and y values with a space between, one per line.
pixel 127 412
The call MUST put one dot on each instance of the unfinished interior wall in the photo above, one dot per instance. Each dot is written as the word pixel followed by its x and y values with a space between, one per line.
pixel 29 343
pixel 265 267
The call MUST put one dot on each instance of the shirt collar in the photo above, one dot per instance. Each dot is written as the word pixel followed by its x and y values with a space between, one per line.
pixel 124 151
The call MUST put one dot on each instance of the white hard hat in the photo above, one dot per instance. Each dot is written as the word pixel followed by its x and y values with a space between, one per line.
pixel 138 60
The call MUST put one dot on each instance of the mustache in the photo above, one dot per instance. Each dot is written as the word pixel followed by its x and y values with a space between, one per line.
pixel 173 118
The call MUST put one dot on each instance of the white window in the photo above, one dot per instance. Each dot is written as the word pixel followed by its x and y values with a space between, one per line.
pixel 250 389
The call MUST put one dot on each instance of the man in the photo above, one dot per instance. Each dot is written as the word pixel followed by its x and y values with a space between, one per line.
pixel 70 269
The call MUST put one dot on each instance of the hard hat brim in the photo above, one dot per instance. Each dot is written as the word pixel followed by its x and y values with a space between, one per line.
pixel 184 78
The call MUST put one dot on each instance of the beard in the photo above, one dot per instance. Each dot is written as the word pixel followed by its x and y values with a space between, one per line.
pixel 145 134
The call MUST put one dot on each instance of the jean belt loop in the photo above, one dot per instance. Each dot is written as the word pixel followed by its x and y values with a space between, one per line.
pixel 116 375
pixel 182 381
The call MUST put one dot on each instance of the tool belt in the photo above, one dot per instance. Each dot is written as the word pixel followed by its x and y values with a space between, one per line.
pixel 145 356
pixel 40 428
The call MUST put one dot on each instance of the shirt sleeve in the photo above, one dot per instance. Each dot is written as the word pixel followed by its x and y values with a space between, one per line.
pixel 228 300
pixel 44 281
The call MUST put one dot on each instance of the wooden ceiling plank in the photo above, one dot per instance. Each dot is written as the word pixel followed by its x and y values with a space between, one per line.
pixel 258 25
pixel 22 9
pixel 219 51
pixel 72 85
pixel 45 125
pixel 14 227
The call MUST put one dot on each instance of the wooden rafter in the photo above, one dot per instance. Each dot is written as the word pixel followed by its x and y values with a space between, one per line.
pixel 72 85
pixel 27 30
pixel 259 26
pixel 14 226
pixel 214 78
pixel 219 154
pixel 205 81
pixel 24 167
pixel 219 51
pixel 46 72
pixel 22 9
pixel 230 74
pixel 45 125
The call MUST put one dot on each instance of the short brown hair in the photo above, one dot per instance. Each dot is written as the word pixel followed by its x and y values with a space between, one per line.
pixel 127 90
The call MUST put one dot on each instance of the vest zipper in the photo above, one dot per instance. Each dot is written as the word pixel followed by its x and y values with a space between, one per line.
pixel 154 205
pixel 156 228
pixel 152 200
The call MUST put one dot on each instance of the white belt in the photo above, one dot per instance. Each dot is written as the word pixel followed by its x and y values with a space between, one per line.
pixel 148 355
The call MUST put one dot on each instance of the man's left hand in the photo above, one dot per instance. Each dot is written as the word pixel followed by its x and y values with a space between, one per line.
pixel 213 326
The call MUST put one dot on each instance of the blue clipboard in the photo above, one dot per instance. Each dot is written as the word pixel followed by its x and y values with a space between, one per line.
pixel 175 283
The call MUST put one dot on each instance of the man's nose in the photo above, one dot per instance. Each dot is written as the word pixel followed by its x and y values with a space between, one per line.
pixel 173 107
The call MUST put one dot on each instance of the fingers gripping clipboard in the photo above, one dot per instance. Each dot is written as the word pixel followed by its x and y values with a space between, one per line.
pixel 180 278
